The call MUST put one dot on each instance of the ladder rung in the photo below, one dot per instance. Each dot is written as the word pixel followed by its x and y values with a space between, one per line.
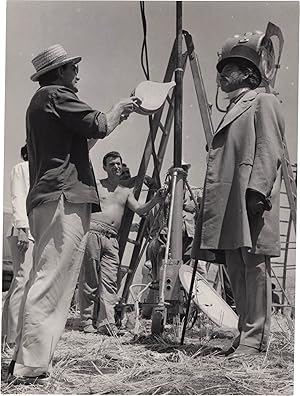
pixel 282 305
pixel 162 127
pixel 132 241
pixel 169 100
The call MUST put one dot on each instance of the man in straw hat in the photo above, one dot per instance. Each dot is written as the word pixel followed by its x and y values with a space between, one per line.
pixel 61 196
pixel 239 215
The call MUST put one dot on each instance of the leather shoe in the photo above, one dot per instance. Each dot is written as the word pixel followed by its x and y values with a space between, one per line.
pixel 226 352
pixel 244 351
pixel 42 379
pixel 89 329
pixel 233 347
pixel 110 330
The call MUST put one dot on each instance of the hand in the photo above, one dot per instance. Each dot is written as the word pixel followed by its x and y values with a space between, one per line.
pixel 23 241
pixel 189 207
pixel 128 105
pixel 161 193
pixel 150 182
pixel 120 112
pixel 255 203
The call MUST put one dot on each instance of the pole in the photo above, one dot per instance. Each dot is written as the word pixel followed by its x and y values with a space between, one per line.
pixel 186 317
pixel 176 235
pixel 178 89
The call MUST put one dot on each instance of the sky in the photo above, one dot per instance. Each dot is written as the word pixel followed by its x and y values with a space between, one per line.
pixel 108 36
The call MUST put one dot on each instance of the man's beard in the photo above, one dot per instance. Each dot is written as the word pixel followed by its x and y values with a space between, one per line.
pixel 236 83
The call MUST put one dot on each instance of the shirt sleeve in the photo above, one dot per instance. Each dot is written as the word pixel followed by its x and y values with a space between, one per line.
pixel 19 191
pixel 78 116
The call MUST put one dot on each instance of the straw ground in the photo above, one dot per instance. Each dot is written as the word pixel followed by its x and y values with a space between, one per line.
pixel 144 364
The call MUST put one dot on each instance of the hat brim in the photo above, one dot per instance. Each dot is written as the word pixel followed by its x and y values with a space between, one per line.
pixel 74 60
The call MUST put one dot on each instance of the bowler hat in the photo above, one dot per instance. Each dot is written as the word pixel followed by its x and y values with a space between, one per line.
pixel 241 53
pixel 51 58
pixel 246 47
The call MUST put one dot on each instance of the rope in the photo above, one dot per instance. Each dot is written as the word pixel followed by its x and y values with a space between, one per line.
pixel 146 69
pixel 144 53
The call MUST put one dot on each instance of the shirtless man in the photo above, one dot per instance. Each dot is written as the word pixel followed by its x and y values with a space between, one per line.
pixel 97 284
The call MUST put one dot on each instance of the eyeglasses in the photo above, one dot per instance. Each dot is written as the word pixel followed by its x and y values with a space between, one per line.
pixel 75 68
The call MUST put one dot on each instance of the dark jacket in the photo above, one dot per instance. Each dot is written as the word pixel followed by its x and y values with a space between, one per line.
pixel 58 125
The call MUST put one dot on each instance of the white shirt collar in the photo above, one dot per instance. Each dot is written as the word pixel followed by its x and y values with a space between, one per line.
pixel 233 94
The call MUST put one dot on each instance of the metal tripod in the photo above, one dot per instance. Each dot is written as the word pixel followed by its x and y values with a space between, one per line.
pixel 165 127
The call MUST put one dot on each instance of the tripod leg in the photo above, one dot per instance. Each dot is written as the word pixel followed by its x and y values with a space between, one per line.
pixel 189 301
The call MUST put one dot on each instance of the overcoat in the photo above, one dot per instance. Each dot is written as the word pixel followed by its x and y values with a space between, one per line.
pixel 245 153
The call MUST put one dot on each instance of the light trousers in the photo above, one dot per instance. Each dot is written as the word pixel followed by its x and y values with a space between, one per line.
pixel 250 278
pixel 22 264
pixel 59 229
pixel 98 280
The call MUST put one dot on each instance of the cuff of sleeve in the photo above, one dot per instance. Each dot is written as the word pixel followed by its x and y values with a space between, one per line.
pixel 21 224
pixel 102 123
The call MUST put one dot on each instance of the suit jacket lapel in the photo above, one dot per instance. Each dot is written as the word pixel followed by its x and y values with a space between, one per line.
pixel 241 106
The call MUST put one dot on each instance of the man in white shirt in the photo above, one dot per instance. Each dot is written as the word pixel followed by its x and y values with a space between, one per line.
pixel 21 244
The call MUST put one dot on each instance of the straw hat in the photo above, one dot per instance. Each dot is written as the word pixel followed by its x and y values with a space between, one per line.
pixel 51 58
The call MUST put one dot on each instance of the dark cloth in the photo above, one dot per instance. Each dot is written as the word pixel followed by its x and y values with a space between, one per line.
pixel 58 125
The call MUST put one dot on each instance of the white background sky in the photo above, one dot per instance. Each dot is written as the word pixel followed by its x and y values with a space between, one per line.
pixel 108 35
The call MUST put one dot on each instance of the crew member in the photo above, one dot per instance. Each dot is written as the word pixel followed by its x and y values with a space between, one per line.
pixel 61 194
pixel 98 278
pixel 21 245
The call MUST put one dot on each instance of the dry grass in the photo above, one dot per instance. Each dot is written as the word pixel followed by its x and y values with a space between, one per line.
pixel 92 364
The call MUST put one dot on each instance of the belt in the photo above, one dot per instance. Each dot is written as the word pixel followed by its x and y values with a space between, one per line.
pixel 103 229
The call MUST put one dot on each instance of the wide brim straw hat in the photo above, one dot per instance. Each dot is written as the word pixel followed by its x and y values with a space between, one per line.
pixel 51 58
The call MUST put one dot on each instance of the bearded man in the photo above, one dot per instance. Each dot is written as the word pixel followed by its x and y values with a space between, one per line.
pixel 239 215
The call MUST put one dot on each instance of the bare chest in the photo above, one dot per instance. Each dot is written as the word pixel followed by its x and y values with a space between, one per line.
pixel 112 195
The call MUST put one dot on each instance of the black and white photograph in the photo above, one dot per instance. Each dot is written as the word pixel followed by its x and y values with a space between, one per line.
pixel 149 197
